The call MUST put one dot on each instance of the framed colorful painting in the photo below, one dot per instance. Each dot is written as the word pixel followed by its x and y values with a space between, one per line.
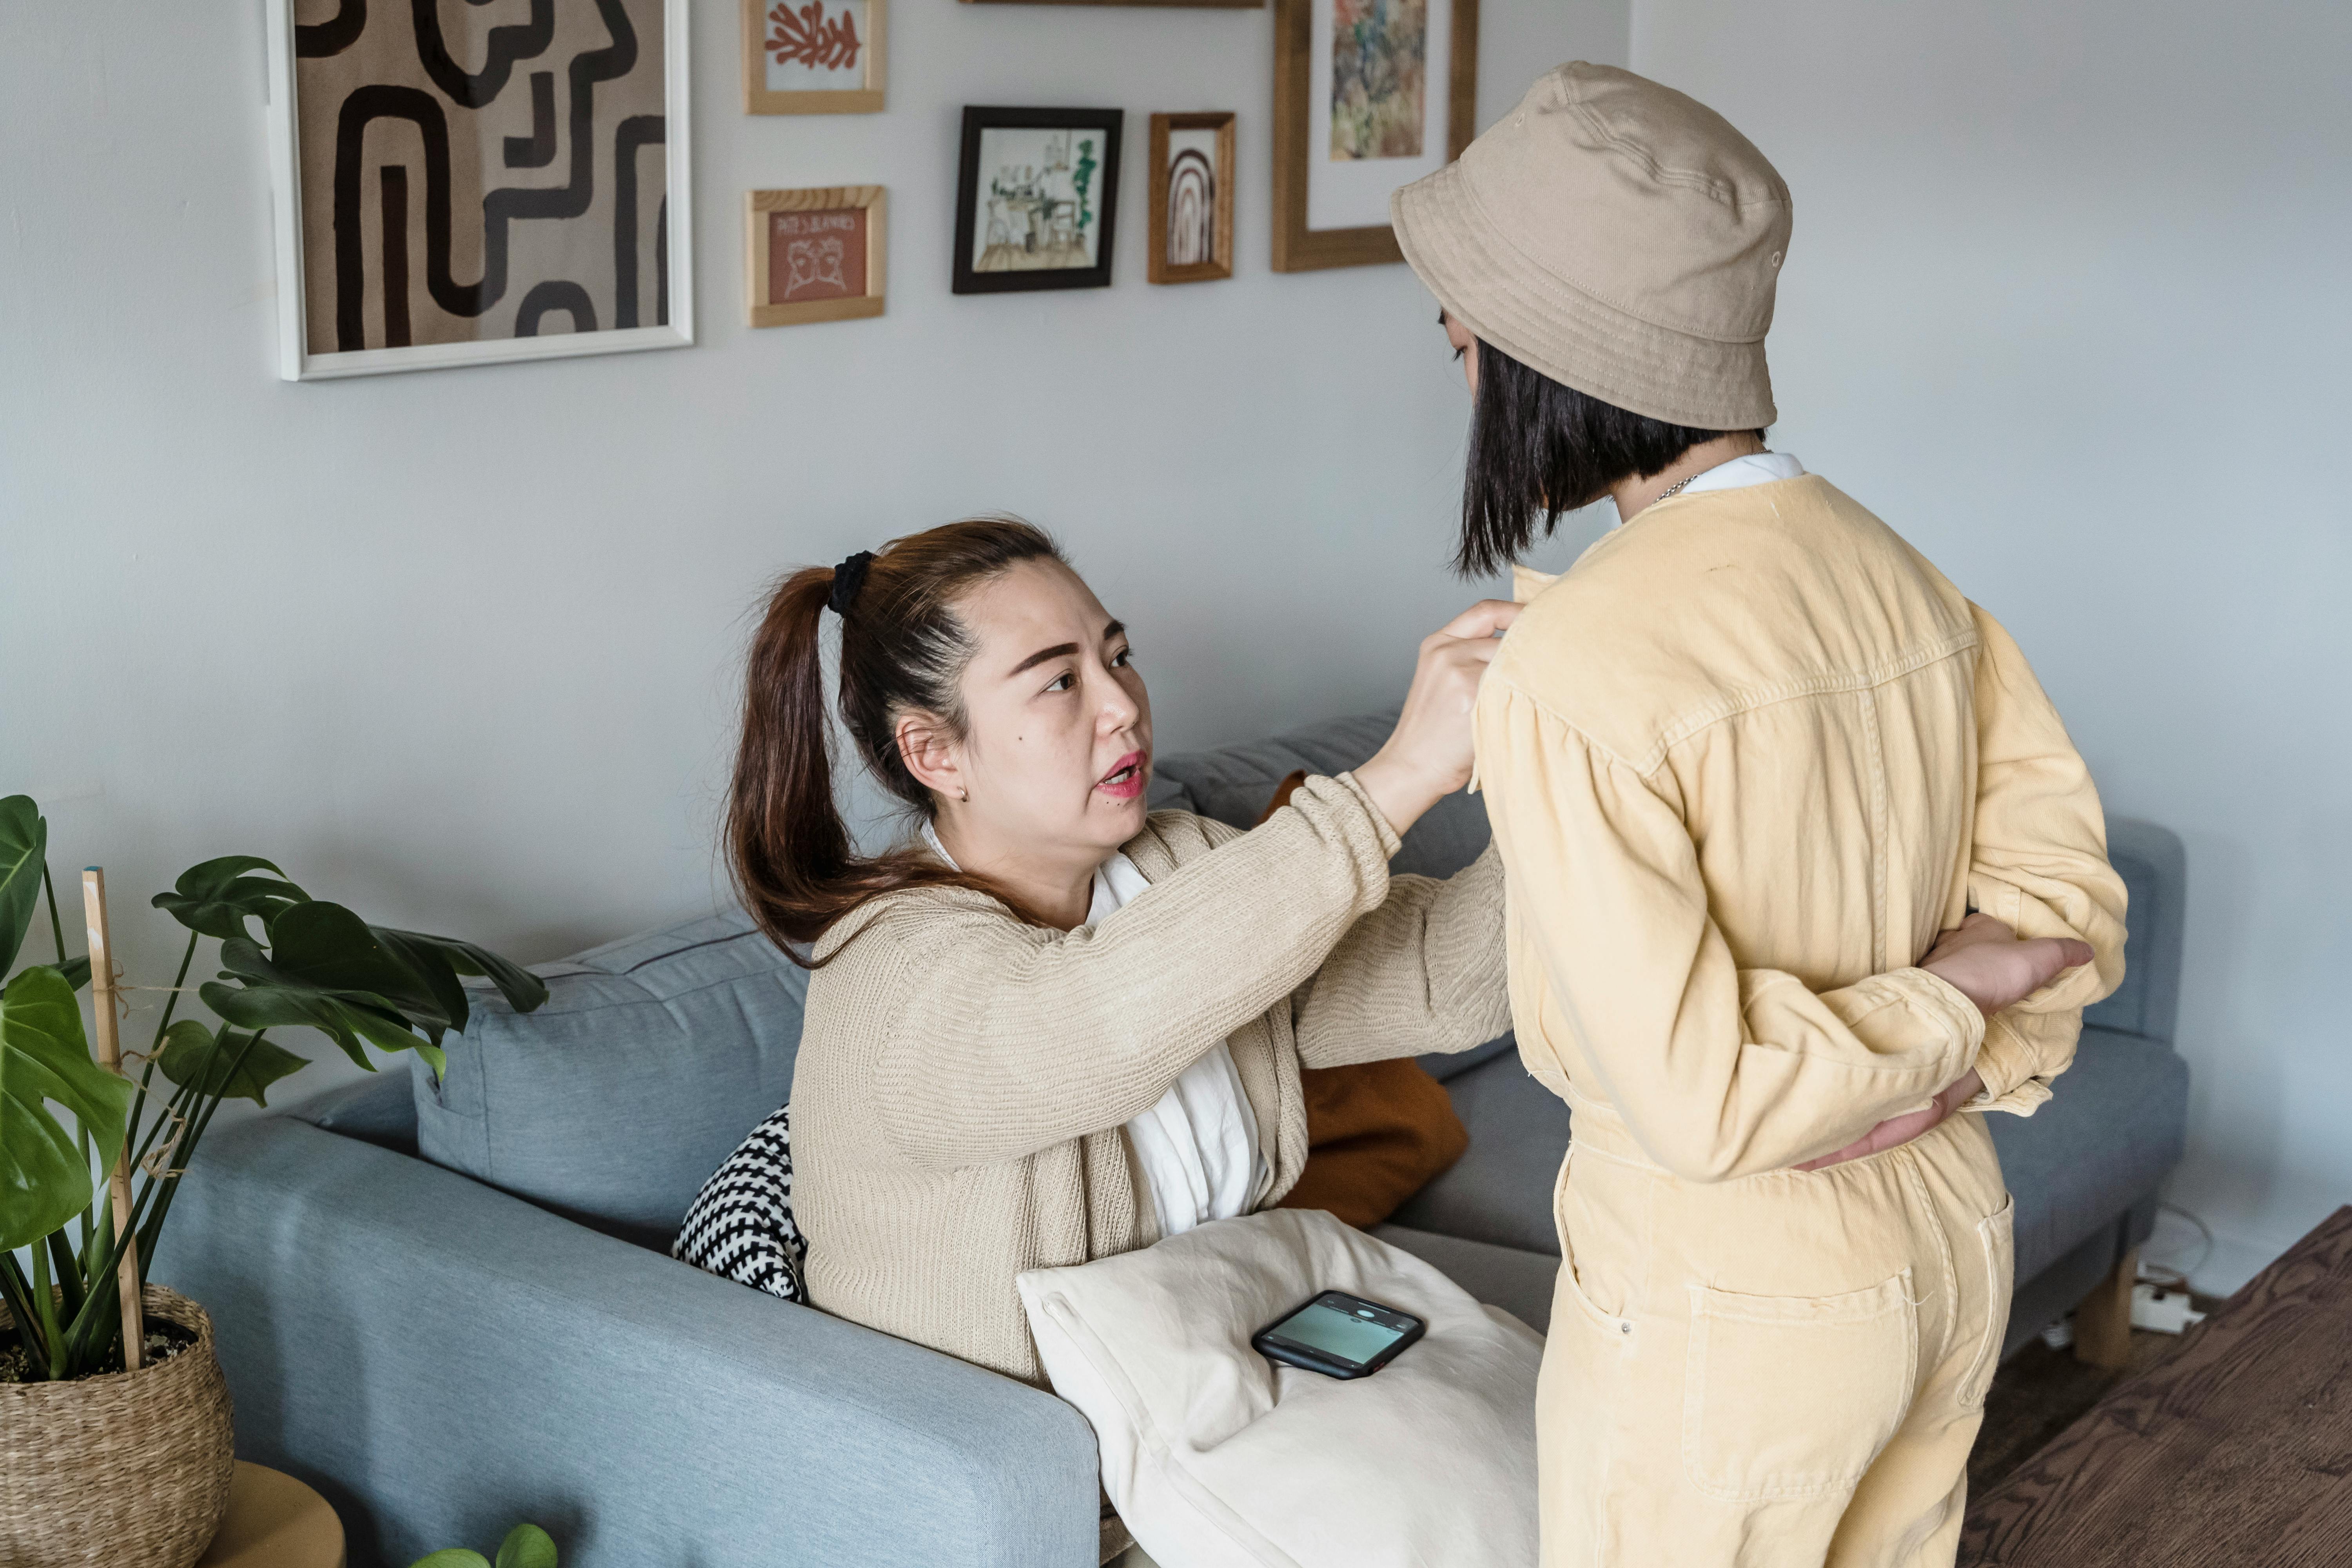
pixel 813 57
pixel 1036 199
pixel 1368 95
pixel 1191 198
pixel 455 186
pixel 814 256
pixel 1196 5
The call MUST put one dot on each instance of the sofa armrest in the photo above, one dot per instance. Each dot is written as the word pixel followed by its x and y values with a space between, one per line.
pixel 442 1360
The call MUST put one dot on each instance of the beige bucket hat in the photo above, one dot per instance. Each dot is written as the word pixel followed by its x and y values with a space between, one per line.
pixel 1616 235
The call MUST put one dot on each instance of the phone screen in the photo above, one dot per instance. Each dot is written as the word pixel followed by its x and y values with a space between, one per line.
pixel 1356 1333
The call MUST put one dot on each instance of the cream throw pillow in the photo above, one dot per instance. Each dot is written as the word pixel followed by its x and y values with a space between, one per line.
pixel 1217 1457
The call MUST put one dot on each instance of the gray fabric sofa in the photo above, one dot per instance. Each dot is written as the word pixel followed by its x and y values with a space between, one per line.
pixel 449 1306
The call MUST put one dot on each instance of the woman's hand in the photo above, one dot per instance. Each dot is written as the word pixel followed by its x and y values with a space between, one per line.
pixel 1898 1130
pixel 1983 960
pixel 1428 755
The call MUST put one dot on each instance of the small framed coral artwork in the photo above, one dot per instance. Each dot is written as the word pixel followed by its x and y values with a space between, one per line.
pixel 813 57
pixel 1036 199
pixel 815 254
pixel 1191 198
pixel 1369 95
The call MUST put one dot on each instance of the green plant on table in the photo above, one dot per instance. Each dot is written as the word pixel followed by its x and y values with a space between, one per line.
pixel 526 1546
pixel 312 965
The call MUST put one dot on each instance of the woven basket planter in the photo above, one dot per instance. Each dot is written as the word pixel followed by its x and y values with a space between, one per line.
pixel 129 1468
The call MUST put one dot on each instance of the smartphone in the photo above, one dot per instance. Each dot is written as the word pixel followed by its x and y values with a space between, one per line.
pixel 1338 1335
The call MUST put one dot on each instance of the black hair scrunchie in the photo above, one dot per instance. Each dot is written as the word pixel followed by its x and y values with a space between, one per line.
pixel 847 579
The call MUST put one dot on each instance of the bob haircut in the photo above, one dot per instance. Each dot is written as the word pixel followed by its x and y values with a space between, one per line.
pixel 1538 450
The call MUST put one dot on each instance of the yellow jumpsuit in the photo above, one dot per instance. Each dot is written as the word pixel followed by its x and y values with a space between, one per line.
pixel 1744 760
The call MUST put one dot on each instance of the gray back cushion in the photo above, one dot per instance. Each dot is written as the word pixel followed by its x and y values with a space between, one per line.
pixel 1233 784
pixel 2155 870
pixel 614 1102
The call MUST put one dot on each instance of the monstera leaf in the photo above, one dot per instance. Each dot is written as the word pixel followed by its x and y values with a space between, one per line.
pixel 44 1055
pixel 233 1064
pixel 219 897
pixel 360 985
pixel 24 844
pixel 443 956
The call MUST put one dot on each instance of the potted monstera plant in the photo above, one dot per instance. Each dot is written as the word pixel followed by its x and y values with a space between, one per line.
pixel 100 1463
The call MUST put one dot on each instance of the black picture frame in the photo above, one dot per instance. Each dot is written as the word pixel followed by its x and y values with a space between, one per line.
pixel 979 119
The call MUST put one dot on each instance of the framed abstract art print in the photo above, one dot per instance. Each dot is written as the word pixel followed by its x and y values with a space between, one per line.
pixel 1191 198
pixel 814 256
pixel 461 185
pixel 1036 199
pixel 1369 95
pixel 813 57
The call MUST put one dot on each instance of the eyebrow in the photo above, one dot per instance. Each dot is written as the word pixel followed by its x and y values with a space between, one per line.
pixel 1060 648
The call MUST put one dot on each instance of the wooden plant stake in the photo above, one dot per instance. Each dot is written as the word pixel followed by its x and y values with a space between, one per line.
pixel 110 1057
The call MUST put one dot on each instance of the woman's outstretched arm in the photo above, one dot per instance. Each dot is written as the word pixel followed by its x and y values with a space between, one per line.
pixel 1425 972
pixel 1006 1039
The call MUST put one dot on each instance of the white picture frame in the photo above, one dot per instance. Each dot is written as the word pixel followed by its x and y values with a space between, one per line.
pixel 297 360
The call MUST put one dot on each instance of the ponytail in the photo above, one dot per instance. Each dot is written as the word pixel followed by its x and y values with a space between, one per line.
pixel 903 650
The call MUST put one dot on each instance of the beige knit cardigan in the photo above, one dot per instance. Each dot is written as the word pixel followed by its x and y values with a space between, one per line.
pixel 964 1079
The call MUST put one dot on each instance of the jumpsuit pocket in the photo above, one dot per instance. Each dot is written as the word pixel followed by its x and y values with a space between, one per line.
pixel 1793 1396
pixel 1568 1289
pixel 1996 1245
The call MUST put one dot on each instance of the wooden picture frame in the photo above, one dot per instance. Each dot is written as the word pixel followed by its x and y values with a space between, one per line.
pixel 822 41
pixel 1190 4
pixel 1301 133
pixel 1198 198
pixel 1054 190
pixel 845 285
pixel 382 266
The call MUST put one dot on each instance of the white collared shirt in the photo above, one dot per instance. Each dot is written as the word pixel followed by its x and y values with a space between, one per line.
pixel 1756 469
pixel 1198 1144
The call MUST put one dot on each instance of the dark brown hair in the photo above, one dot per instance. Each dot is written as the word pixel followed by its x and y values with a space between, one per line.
pixel 1540 449
pixel 904 649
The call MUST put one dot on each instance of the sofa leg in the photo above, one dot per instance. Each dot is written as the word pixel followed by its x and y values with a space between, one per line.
pixel 2102 1322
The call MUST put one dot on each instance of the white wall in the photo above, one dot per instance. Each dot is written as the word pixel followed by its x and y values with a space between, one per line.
pixel 459 648
pixel 2066 303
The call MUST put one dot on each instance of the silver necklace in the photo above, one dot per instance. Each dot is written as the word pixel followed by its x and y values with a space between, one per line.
pixel 1673 487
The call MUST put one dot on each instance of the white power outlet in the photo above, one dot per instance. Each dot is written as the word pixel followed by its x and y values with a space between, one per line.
pixel 2163 1309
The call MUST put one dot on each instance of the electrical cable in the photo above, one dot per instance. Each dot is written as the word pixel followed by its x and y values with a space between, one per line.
pixel 2178 1279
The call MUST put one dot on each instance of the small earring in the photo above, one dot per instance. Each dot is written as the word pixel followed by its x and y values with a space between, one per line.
pixel 964 795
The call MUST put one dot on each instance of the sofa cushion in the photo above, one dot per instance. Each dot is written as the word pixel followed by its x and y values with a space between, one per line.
pixel 1518 1281
pixel 2155 870
pixel 1217 1457
pixel 1233 784
pixel 1500 1192
pixel 2112 1131
pixel 2115 1124
pixel 615 1102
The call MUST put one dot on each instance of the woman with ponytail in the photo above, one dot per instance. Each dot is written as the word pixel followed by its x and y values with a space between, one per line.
pixel 1052 1025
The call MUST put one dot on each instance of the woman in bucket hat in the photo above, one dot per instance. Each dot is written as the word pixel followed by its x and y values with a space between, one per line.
pixel 1745 761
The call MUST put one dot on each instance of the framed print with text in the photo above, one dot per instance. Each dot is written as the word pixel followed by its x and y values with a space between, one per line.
pixel 815 254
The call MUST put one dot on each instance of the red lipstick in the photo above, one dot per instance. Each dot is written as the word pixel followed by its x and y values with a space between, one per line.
pixel 1125 781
